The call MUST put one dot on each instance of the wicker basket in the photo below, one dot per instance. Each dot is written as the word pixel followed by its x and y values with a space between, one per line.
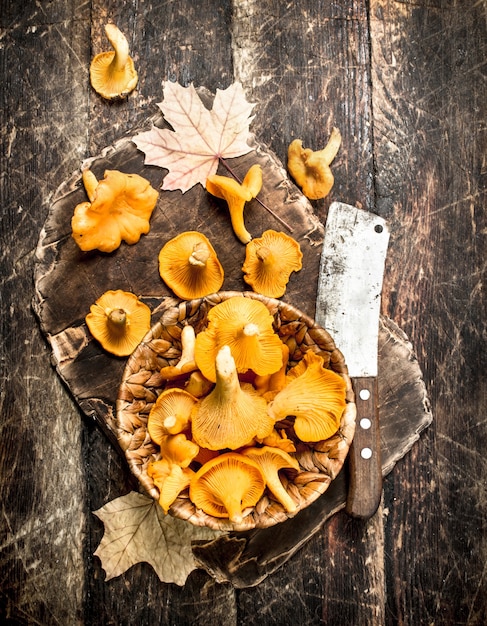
pixel 141 385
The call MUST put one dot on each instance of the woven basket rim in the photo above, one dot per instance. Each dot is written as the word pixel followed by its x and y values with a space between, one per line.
pixel 140 386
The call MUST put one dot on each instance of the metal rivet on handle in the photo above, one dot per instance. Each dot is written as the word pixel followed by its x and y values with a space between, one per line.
pixel 365 423
pixel 364 394
pixel 366 453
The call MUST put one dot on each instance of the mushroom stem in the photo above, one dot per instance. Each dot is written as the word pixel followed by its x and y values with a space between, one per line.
pixel 188 340
pixel 120 45
pixel 264 254
pixel 251 330
pixel 90 183
pixel 233 505
pixel 200 255
pixel 276 487
pixel 117 317
pixel 330 151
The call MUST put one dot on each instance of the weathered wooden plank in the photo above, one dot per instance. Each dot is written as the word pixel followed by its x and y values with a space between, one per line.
pixel 429 97
pixel 42 482
pixel 308 67
pixel 187 42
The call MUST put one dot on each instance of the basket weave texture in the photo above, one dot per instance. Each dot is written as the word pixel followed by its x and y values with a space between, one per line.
pixel 141 385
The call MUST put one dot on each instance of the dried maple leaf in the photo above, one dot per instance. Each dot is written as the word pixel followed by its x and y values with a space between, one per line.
pixel 200 138
pixel 137 530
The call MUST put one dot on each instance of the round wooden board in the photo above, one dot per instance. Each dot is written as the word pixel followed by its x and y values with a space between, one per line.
pixel 68 281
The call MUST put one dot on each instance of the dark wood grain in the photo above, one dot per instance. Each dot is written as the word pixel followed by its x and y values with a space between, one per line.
pixel 405 83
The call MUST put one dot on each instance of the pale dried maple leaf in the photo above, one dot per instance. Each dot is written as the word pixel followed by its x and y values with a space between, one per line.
pixel 137 530
pixel 200 138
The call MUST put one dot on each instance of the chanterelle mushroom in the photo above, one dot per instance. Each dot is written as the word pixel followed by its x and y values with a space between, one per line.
pixel 119 321
pixel 315 395
pixel 186 363
pixel 269 262
pixel 120 207
pixel 311 169
pixel 170 479
pixel 245 325
pixel 236 195
pixel 170 414
pixel 188 264
pixel 227 485
pixel 113 74
pixel 271 460
pixel 231 415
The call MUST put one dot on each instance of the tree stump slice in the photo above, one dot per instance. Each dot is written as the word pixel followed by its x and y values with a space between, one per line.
pixel 68 281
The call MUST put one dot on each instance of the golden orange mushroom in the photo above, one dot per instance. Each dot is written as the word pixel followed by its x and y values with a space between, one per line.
pixel 236 195
pixel 119 208
pixel 269 262
pixel 311 169
pixel 186 363
pixel 113 74
pixel 227 485
pixel 170 480
pixel 246 326
pixel 313 394
pixel 189 265
pixel 232 414
pixel 170 414
pixel 271 461
pixel 119 321
pixel 178 449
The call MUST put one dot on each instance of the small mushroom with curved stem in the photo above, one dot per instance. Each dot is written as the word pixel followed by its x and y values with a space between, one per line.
pixel 271 461
pixel 227 485
pixel 119 208
pixel 269 262
pixel 189 265
pixel 232 414
pixel 236 195
pixel 119 321
pixel 311 169
pixel 113 74
pixel 246 326
pixel 313 394
pixel 186 363
pixel 170 414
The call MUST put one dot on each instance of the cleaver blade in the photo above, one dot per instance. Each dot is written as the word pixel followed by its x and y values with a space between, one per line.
pixel 348 307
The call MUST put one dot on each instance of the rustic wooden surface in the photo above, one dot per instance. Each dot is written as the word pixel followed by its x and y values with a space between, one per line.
pixel 405 83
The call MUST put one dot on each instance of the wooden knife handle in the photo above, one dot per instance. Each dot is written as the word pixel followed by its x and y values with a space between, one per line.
pixel 365 489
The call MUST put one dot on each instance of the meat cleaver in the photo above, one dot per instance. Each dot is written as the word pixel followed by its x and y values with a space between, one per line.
pixel 348 307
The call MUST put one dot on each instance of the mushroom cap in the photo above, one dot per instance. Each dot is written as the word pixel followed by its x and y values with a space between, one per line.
pixel 311 169
pixel 178 449
pixel 226 485
pixel 113 74
pixel 188 264
pixel 271 460
pixel 269 262
pixel 121 209
pixel 170 480
pixel 170 414
pixel 246 326
pixel 119 321
pixel 315 395
pixel 231 415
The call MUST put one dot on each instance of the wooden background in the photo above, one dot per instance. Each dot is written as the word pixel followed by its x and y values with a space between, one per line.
pixel 405 81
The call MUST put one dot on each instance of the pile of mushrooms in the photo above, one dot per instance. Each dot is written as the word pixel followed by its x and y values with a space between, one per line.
pixel 233 412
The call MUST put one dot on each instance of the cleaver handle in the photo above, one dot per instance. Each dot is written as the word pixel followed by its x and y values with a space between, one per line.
pixel 365 488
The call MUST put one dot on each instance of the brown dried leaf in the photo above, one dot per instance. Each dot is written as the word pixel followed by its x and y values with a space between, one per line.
pixel 136 530
pixel 200 138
